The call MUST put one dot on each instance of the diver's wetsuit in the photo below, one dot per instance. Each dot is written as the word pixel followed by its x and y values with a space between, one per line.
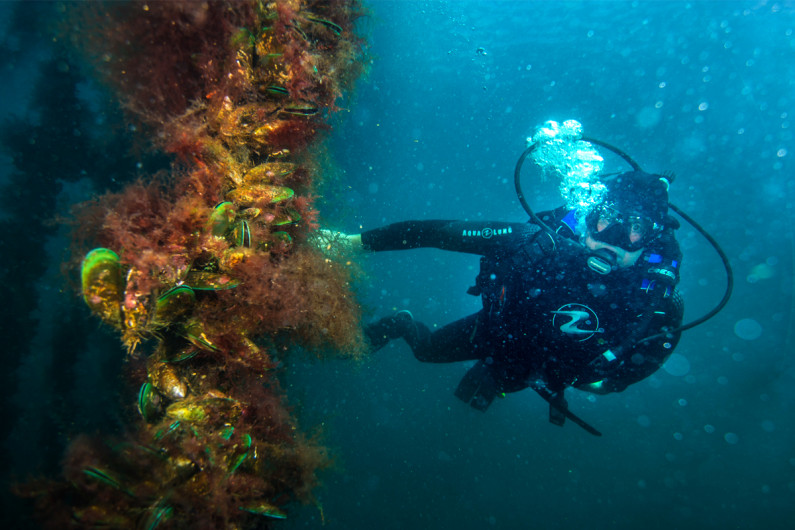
pixel 546 316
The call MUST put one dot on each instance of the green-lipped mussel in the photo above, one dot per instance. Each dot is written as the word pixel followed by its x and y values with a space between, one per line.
pixel 335 28
pixel 241 234
pixel 173 306
pixel 247 196
pixel 265 509
pixel 222 218
pixel 149 402
pixel 288 216
pixel 166 380
pixel 101 276
pixel 209 281
pixel 267 173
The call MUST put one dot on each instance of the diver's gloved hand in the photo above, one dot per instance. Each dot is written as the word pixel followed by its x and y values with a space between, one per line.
pixel 542 244
pixel 334 243
pixel 545 243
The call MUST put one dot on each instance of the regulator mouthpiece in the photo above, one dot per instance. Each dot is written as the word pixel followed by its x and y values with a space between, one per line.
pixel 602 261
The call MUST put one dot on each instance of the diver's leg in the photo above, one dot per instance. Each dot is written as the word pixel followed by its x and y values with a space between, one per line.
pixel 457 341
pixel 379 333
pixel 454 342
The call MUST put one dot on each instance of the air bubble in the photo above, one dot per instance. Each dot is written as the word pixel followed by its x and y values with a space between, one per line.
pixel 748 329
pixel 768 426
pixel 677 365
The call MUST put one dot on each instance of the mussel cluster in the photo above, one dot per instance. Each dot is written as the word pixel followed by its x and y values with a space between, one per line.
pixel 113 291
pixel 214 445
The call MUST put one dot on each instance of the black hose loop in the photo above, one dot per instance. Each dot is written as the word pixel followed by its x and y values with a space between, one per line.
pixel 636 167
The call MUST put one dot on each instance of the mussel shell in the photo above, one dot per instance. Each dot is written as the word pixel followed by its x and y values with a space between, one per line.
pixel 246 196
pixel 242 456
pixel 101 276
pixel 335 28
pixel 227 432
pixel 289 216
pixel 209 281
pixel 186 353
pixel 232 257
pixel 173 305
pixel 194 332
pixel 245 120
pixel 157 514
pixel 166 380
pixel 277 90
pixel 277 239
pixel 267 173
pixel 188 411
pixel 264 508
pixel 250 213
pixel 163 432
pixel 241 234
pixel 284 237
pixel 268 47
pixel 222 218
pixel 148 402
pixel 300 108
pixel 103 476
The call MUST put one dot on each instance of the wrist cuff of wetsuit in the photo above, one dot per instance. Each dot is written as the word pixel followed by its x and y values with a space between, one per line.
pixel 367 239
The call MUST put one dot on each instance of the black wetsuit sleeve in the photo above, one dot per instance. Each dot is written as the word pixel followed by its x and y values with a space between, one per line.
pixel 474 237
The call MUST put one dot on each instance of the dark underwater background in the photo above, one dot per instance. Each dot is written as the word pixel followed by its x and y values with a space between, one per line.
pixel 454 88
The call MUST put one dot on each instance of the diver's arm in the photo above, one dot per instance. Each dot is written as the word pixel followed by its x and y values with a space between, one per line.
pixel 645 359
pixel 474 237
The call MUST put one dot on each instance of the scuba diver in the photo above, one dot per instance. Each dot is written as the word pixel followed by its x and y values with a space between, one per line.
pixel 581 298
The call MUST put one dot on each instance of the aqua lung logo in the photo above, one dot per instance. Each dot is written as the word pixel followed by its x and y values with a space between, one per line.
pixel 577 321
pixel 488 233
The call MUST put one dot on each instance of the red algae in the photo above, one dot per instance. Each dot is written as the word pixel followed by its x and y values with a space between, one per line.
pixel 209 271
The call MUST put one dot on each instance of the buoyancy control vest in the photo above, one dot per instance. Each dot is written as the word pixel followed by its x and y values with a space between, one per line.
pixel 559 315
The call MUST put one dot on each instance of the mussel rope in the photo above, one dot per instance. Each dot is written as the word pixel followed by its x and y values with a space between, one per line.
pixel 636 167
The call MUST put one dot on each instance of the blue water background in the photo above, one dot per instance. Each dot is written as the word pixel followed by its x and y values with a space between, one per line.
pixel 704 89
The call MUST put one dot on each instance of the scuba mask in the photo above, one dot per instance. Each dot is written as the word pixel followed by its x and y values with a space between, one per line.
pixel 627 231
